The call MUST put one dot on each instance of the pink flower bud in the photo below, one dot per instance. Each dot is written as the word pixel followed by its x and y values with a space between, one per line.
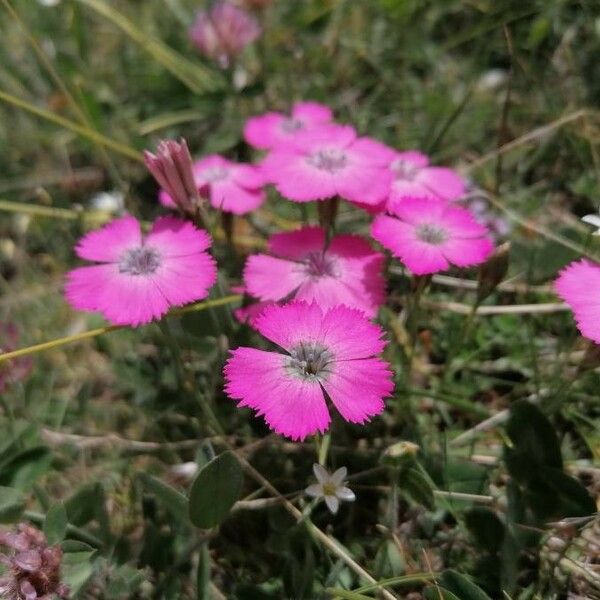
pixel 171 166
pixel 223 31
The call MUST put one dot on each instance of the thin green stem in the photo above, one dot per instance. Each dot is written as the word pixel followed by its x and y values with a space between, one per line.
pixel 70 339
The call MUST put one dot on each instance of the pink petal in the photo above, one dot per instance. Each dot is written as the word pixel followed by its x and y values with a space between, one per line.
pixel 413 156
pixel 271 278
pixel 461 222
pixel 296 179
pixel 467 252
pixel 185 279
pixel 165 199
pixel 123 299
pixel 292 406
pixel 373 151
pixel 312 112
pixel 176 237
pixel 108 243
pixel 357 388
pixel 579 286
pixel 297 244
pixel 399 237
pixel 248 176
pixel 261 131
pixel 364 183
pixel 228 196
pixel 442 182
pixel 402 189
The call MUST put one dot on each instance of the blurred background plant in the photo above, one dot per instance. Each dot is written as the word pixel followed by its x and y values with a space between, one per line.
pixel 101 439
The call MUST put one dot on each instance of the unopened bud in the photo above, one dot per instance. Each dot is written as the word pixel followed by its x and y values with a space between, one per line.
pixel 171 166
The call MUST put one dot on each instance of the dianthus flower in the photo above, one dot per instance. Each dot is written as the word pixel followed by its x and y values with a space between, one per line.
pixel 231 187
pixel 414 177
pixel 223 31
pixel 300 266
pixel 429 234
pixel 141 277
pixel 330 161
pixel 324 355
pixel 274 128
pixel 579 286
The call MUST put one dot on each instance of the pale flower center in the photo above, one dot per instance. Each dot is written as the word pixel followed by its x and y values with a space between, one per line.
pixel 431 234
pixel 140 261
pixel 318 264
pixel 404 169
pixel 213 174
pixel 329 489
pixel 309 360
pixel 290 125
pixel 328 159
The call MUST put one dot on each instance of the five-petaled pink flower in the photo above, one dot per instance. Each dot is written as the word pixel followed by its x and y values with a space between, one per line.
pixel 429 234
pixel 413 177
pixel 330 161
pixel 231 187
pixel 141 277
pixel 300 266
pixel 579 286
pixel 324 355
pixel 223 31
pixel 274 128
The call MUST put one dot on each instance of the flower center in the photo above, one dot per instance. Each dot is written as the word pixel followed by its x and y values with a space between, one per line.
pixel 290 125
pixel 404 169
pixel 140 261
pixel 328 159
pixel 431 234
pixel 309 360
pixel 329 489
pixel 318 264
pixel 215 173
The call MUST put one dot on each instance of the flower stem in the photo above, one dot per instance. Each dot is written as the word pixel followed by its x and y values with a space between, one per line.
pixel 69 339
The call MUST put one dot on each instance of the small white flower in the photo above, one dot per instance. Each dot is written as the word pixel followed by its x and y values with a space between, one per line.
pixel 49 2
pixel 111 202
pixel 330 487
pixel 593 220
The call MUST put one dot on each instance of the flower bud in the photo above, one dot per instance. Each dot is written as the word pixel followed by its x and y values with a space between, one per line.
pixel 171 166
pixel 223 31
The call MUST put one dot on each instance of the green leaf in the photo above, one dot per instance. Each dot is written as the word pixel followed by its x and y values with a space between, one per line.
pixel 414 484
pixel 486 528
pixel 12 504
pixel 77 568
pixel 534 442
pixel 215 490
pixel 462 587
pixel 203 574
pixel 55 524
pixel 437 593
pixel 175 502
pixel 574 499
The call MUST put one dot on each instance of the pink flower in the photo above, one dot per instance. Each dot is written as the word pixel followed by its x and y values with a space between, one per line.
pixel 33 567
pixel 429 234
pixel 171 166
pixel 325 355
pixel 141 277
pixel 330 161
pixel 249 311
pixel 16 369
pixel 231 187
pixel 223 31
pixel 274 129
pixel 299 266
pixel 579 286
pixel 413 177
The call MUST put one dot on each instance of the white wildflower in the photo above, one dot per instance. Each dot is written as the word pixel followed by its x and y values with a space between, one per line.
pixel 330 487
